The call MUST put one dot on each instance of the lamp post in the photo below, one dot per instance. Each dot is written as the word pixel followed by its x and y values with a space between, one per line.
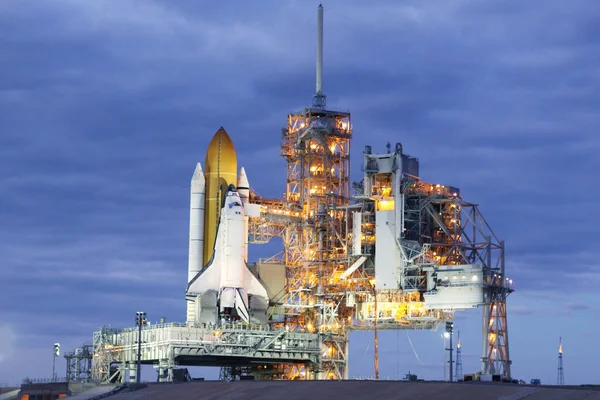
pixel 449 331
pixel 445 337
pixel 56 353
pixel 140 319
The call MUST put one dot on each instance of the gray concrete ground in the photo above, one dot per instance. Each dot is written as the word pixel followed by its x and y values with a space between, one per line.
pixel 354 390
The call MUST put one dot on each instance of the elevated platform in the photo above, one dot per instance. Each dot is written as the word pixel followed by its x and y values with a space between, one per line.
pixel 168 345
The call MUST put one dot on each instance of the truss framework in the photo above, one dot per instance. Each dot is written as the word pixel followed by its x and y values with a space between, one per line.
pixel 457 233
pixel 316 146
pixel 79 364
pixel 232 345
pixel 316 243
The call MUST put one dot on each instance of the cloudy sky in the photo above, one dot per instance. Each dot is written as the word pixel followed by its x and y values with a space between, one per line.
pixel 106 106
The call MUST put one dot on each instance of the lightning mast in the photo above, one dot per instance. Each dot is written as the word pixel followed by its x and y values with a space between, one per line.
pixel 319 98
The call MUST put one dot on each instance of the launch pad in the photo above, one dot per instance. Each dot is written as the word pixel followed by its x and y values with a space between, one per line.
pixel 388 252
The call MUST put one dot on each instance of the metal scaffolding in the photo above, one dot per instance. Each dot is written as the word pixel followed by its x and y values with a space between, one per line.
pixel 79 364
pixel 459 234
pixel 316 146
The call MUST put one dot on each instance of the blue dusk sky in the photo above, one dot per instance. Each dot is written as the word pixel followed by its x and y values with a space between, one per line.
pixel 107 105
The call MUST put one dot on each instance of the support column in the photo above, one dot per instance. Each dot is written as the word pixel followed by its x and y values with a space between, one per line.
pixel 161 373
pixel 347 353
pixel 485 319
pixel 132 372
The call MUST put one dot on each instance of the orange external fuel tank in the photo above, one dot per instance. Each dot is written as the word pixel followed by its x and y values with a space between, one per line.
pixel 220 171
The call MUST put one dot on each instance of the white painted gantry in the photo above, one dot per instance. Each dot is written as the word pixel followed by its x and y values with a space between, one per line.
pixel 168 345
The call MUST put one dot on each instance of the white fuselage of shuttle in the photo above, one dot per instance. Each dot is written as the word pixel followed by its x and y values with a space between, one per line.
pixel 225 288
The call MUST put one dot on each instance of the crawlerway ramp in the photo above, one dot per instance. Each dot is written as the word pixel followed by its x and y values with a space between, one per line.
pixel 355 390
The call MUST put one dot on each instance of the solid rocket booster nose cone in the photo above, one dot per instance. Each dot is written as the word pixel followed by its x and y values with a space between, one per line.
pixel 198 173
pixel 220 171
pixel 243 186
pixel 243 179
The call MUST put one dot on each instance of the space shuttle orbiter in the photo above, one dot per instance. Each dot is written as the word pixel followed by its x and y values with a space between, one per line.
pixel 220 285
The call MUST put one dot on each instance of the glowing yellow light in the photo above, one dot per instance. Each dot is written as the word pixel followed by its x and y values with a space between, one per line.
pixel 332 148
pixel 385 205
pixel 313 146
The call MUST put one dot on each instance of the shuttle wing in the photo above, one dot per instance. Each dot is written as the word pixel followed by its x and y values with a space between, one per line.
pixel 208 278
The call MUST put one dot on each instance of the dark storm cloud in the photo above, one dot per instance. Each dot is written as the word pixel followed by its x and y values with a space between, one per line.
pixel 106 106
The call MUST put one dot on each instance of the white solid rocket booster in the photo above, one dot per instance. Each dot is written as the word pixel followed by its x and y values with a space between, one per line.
pixel 196 245
pixel 243 188
pixel 197 188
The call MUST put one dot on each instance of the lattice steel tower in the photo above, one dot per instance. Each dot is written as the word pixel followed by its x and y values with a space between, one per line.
pixel 457 233
pixel 459 369
pixel 316 146
pixel 560 378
